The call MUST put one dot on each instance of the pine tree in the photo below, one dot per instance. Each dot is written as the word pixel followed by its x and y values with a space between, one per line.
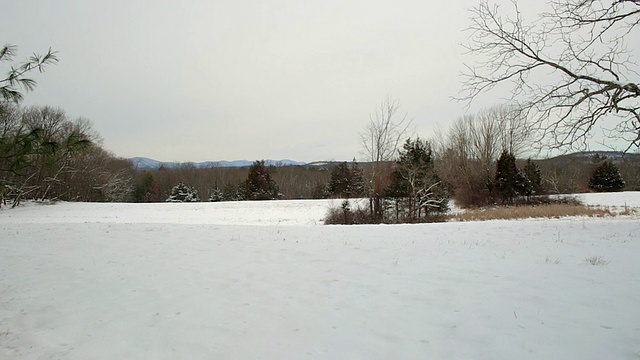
pixel 319 191
pixel 339 183
pixel 534 180
pixel 346 182
pixel 606 177
pixel 183 193
pixel 147 190
pixel 233 192
pixel 509 180
pixel 216 195
pixel 357 180
pixel 415 186
pixel 399 194
pixel 259 185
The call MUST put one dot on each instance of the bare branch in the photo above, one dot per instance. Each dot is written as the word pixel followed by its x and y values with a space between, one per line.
pixel 380 141
pixel 568 71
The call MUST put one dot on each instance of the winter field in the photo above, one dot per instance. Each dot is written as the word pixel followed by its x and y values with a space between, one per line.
pixel 266 280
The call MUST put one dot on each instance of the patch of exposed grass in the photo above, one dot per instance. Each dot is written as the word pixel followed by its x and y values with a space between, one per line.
pixel 629 211
pixel 626 210
pixel 596 260
pixel 525 212
pixel 548 260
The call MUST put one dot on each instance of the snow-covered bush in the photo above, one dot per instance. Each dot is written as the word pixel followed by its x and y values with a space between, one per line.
pixel 216 195
pixel 183 193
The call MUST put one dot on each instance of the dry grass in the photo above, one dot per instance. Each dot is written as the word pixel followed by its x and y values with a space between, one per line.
pixel 596 260
pixel 548 260
pixel 525 212
pixel 629 211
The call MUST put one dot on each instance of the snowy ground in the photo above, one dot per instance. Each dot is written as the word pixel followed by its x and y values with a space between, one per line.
pixel 265 280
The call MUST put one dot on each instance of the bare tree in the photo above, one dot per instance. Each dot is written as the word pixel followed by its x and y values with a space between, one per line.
pixel 380 140
pixel 467 152
pixel 465 158
pixel 568 71
pixel 38 149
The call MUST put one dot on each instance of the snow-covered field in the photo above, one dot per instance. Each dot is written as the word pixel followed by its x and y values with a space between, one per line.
pixel 266 280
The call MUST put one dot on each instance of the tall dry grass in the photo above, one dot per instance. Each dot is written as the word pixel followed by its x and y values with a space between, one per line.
pixel 526 212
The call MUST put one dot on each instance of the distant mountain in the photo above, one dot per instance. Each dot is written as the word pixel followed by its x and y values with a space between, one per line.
pixel 144 163
pixel 585 156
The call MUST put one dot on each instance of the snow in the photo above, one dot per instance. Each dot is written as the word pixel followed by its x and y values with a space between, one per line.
pixel 617 200
pixel 267 280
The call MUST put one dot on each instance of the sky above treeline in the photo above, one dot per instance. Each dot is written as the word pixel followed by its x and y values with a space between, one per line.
pixel 224 80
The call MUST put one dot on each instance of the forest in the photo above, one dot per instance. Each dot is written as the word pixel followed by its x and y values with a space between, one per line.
pixel 47 155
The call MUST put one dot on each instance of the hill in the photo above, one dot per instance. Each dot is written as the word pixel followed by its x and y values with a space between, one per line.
pixel 587 156
pixel 143 163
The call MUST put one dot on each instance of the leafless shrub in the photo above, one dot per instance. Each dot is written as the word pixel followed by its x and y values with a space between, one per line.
pixel 547 200
pixel 345 215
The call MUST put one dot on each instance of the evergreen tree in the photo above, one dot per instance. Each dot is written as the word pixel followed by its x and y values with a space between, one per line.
pixel 415 186
pixel 509 180
pixel 339 182
pixel 216 195
pixel 183 193
pixel 534 180
pixel 319 191
pixel 147 190
pixel 606 177
pixel 233 192
pixel 357 180
pixel 9 86
pixel 398 194
pixel 346 182
pixel 259 185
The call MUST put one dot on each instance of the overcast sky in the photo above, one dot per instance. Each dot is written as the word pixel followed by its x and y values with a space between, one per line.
pixel 256 79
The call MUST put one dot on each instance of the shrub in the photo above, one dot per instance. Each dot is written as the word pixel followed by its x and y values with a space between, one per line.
pixel 183 193
pixel 472 193
pixel 547 200
pixel 345 215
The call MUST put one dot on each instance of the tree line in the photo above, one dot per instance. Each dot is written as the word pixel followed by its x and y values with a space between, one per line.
pixel 580 49
pixel 46 154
